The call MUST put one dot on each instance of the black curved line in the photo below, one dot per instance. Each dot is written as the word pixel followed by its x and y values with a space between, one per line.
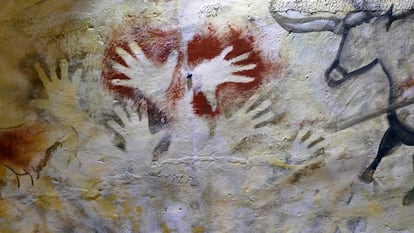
pixel 391 95
pixel 404 132
pixel 345 74
pixel 13 127
pixel 363 69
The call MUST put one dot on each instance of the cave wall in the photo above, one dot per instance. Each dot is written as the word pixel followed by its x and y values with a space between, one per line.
pixel 206 116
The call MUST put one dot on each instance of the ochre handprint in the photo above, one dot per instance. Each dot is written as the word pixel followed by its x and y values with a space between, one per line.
pixel 63 102
pixel 62 94
pixel 208 75
pixel 151 78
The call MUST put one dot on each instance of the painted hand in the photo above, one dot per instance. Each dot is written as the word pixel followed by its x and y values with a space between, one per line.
pixel 152 79
pixel 261 108
pixel 249 125
pixel 208 75
pixel 131 131
pixel 62 92
pixel 307 144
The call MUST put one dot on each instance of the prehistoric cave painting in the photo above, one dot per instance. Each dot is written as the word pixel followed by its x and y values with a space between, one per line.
pixel 369 40
pixel 130 124
pixel 155 47
pixel 167 79
pixel 142 64
pixel 62 92
pixel 260 111
pixel 307 144
pixel 245 72
pixel 63 101
pixel 27 148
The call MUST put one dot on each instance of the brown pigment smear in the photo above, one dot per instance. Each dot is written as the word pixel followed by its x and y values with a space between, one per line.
pixel 18 147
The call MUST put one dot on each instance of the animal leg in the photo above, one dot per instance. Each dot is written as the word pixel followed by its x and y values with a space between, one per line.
pixel 43 162
pixel 409 197
pixel 31 177
pixel 388 142
pixel 18 174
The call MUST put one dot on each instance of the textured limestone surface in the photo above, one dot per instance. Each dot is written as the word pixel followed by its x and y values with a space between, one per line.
pixel 205 116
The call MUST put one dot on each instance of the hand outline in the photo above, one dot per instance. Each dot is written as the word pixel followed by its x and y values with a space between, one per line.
pixel 144 74
pixel 62 93
pixel 225 71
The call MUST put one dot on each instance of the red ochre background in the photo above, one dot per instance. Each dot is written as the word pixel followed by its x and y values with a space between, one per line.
pixel 157 44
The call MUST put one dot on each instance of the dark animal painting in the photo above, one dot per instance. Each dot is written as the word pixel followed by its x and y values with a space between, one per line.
pixel 369 39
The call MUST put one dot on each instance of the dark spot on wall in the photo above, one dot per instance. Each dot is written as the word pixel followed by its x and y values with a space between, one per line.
pixel 357 225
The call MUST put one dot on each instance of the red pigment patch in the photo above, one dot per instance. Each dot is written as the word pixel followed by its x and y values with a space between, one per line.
pixel 18 147
pixel 157 45
pixel 408 84
pixel 230 96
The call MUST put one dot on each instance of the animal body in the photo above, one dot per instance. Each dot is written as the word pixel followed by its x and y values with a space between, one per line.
pixel 370 39
pixel 27 149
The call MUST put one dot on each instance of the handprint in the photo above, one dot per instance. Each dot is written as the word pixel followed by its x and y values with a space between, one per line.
pixel 145 75
pixel 262 107
pixel 307 144
pixel 132 130
pixel 62 94
pixel 259 111
pixel 208 75
pixel 62 102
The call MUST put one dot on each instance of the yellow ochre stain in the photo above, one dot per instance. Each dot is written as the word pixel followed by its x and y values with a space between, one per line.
pixel 4 208
pixel 139 210
pixel 106 206
pixel 3 172
pixel 198 229
pixel 281 164
pixel 50 199
pixel 164 228
pixel 129 211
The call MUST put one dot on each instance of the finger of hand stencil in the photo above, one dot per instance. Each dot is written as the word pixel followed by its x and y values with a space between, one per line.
pixel 128 58
pixel 39 103
pixel 172 59
pixel 136 50
pixel 316 141
pixel 132 110
pixel 239 79
pixel 243 67
pixel 42 75
pixel 262 109
pixel 122 82
pixel 53 75
pixel 254 103
pixel 64 66
pixel 225 52
pixel 121 116
pixel 241 57
pixel 274 120
pixel 122 69
pixel 76 77
pixel 115 126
